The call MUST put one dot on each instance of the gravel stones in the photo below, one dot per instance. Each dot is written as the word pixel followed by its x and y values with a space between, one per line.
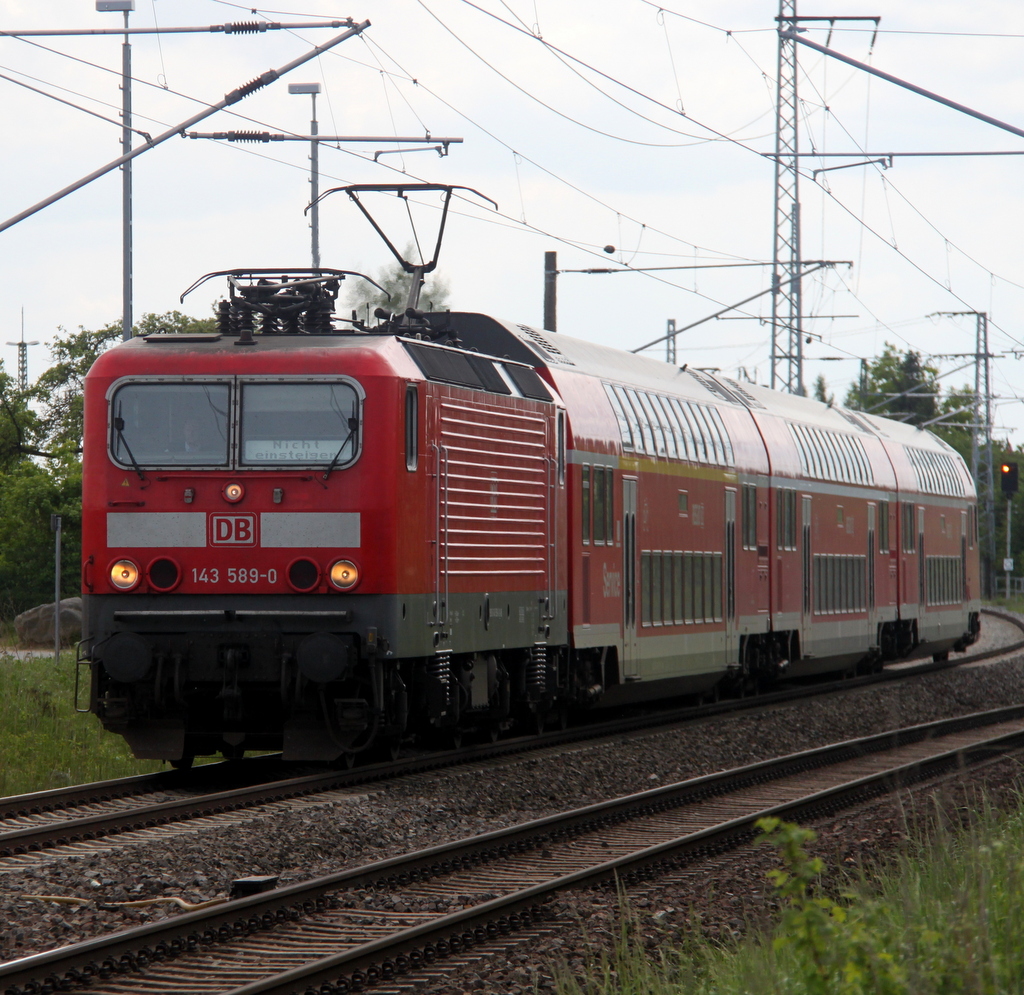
pixel 315 838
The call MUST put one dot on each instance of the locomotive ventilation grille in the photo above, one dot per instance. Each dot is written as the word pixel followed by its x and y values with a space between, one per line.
pixel 495 490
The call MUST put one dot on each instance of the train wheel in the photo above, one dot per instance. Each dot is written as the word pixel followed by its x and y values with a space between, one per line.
pixel 493 732
pixel 185 763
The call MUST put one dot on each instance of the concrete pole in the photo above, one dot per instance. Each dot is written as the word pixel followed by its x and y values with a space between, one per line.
pixel 551 291
pixel 55 523
pixel 1007 561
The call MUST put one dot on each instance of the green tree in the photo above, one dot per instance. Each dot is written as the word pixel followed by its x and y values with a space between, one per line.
pixel 364 298
pixel 29 494
pixel 957 407
pixel 58 391
pixel 821 391
pixel 19 426
pixel 898 385
pixel 40 461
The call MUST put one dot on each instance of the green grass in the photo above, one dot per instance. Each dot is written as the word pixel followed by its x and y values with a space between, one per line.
pixel 946 919
pixel 1014 604
pixel 44 743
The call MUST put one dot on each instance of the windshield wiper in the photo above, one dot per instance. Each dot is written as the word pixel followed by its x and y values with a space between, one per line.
pixel 119 429
pixel 353 424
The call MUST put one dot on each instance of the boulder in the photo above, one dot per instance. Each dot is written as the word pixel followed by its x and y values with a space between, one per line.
pixel 35 626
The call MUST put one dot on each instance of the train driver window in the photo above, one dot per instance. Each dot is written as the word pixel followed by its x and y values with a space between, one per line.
pixel 299 423
pixel 170 424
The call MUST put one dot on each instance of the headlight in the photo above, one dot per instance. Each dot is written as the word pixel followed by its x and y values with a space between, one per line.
pixel 233 492
pixel 124 575
pixel 344 575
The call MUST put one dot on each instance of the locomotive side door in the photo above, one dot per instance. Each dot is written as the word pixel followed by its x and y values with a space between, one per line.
pixel 630 643
pixel 437 602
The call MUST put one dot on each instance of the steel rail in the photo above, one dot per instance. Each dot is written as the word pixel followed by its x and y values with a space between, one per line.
pixel 47 835
pixel 124 952
pixel 403 952
pixel 57 799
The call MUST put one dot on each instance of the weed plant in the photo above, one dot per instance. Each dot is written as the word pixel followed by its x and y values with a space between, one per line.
pixel 945 919
pixel 44 742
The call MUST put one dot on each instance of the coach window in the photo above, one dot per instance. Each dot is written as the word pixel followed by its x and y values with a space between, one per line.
pixel 170 424
pixel 883 526
pixel 412 422
pixel 299 423
pixel 657 589
pixel 688 447
pixel 668 423
pixel 620 415
pixel 786 518
pixel 716 453
pixel 749 516
pixel 645 588
pixel 642 440
pixel 585 508
pixel 599 504
pixel 609 505
pixel 657 433
pixel 560 428
pixel 909 539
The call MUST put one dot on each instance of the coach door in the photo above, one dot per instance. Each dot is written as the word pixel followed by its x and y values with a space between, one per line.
pixel 630 643
pixel 807 574
pixel 870 561
pixel 731 634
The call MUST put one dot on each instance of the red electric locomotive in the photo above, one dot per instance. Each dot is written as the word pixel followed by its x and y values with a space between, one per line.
pixel 319 541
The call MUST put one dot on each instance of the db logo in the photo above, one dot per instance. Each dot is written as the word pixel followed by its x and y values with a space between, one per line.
pixel 233 530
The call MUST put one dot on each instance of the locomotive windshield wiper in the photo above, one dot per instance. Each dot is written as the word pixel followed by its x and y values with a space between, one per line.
pixel 119 429
pixel 353 424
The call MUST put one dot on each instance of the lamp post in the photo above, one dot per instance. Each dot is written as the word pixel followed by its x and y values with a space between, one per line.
pixel 125 6
pixel 314 168
pixel 55 528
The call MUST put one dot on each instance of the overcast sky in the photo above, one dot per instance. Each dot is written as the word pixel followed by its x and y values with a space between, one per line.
pixel 582 143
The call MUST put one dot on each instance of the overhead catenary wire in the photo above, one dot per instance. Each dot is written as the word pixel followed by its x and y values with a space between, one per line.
pixel 235 95
pixel 372 43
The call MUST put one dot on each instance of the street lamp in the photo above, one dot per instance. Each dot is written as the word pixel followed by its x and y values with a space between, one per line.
pixel 314 168
pixel 125 6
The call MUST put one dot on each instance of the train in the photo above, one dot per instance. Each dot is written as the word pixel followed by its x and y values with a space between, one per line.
pixel 332 538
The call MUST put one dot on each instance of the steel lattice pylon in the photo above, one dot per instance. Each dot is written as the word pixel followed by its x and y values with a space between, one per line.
pixel 787 340
pixel 981 452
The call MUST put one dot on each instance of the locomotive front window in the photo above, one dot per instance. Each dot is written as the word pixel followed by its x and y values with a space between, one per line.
pixel 165 424
pixel 296 423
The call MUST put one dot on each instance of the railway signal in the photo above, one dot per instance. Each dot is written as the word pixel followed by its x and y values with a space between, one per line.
pixel 1008 478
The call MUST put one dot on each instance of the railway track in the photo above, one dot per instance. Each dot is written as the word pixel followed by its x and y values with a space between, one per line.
pixel 83 814
pixel 378 926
